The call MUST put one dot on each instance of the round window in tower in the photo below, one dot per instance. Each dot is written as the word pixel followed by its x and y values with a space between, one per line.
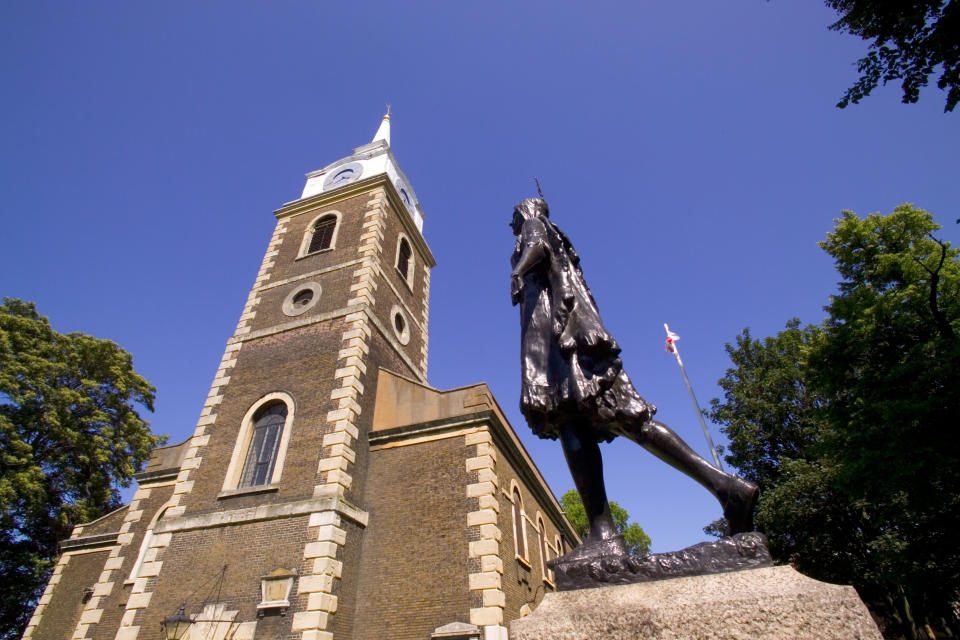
pixel 303 297
pixel 401 326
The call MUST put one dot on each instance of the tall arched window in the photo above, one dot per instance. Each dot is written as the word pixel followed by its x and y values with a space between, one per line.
pixel 322 233
pixel 261 447
pixel 264 444
pixel 148 538
pixel 543 546
pixel 518 529
pixel 558 550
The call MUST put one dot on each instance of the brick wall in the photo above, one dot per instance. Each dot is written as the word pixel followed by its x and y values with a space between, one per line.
pixel 384 355
pixel 193 562
pixel 415 550
pixel 109 523
pixel 411 297
pixel 335 293
pixel 65 604
pixel 347 240
pixel 151 500
pixel 346 588
pixel 290 362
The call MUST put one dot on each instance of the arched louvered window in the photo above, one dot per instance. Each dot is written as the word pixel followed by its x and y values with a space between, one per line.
pixel 264 444
pixel 322 233
pixel 521 543
pixel 403 258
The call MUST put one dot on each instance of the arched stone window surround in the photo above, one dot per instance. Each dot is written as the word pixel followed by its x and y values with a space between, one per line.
pixel 411 261
pixel 237 460
pixel 521 547
pixel 145 543
pixel 308 234
pixel 544 555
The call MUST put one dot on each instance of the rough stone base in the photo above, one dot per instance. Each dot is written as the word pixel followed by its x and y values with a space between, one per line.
pixel 769 603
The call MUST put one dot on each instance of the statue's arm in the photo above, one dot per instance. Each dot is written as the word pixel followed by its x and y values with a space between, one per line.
pixel 533 252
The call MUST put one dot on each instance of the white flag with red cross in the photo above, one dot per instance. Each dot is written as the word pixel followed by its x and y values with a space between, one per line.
pixel 671 339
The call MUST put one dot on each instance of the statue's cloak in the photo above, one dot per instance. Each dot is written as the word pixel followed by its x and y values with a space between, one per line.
pixel 571 367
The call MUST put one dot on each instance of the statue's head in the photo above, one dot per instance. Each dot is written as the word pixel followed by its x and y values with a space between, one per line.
pixel 529 208
pixel 533 207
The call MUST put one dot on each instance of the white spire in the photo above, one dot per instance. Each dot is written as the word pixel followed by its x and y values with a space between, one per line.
pixel 383 133
pixel 367 161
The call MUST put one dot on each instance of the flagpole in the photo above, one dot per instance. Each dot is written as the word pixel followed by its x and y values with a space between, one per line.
pixel 672 346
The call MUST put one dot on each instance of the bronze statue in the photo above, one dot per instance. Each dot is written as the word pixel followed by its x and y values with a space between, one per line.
pixel 574 385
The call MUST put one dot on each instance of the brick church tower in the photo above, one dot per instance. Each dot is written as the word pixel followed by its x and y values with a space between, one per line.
pixel 327 491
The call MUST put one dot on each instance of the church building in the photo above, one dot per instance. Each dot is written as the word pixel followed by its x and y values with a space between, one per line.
pixel 327 492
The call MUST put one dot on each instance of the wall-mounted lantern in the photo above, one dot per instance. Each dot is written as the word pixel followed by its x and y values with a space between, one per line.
pixel 275 590
pixel 175 626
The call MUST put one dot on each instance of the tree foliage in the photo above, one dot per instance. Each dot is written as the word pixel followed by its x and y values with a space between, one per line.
pixel 770 408
pixel 638 542
pixel 849 426
pixel 70 438
pixel 910 39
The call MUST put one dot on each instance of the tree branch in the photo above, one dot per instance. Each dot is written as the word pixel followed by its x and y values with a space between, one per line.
pixel 943 325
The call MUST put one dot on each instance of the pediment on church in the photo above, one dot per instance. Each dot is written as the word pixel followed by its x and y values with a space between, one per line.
pixel 456 631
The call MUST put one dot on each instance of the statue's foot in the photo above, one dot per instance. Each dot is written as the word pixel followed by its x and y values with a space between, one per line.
pixel 596 548
pixel 739 498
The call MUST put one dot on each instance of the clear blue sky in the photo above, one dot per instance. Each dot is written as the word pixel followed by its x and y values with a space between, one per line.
pixel 691 151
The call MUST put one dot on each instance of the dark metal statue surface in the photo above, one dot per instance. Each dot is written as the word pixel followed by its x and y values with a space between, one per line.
pixel 576 390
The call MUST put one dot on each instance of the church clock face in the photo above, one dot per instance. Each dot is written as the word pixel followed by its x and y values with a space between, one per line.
pixel 343 175
pixel 404 195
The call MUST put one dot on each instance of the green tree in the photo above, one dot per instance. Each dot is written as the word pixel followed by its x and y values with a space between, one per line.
pixel 638 542
pixel 769 410
pixel 909 40
pixel 70 438
pixel 849 426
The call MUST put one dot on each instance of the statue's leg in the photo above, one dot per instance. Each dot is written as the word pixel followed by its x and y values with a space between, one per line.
pixel 736 495
pixel 586 467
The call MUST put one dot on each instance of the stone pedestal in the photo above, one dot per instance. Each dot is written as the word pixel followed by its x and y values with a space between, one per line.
pixel 770 603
